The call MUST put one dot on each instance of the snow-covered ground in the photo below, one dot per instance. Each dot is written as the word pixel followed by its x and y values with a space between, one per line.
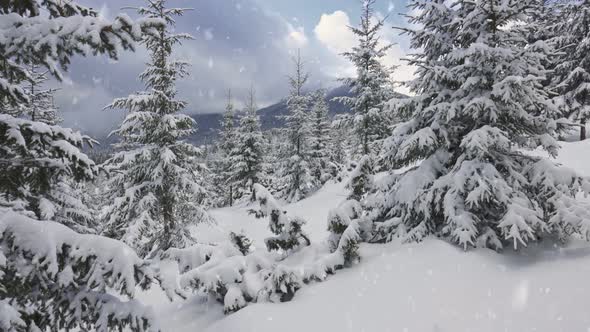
pixel 430 286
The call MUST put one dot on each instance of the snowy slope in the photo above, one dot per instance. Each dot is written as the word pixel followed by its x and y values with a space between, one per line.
pixel 431 286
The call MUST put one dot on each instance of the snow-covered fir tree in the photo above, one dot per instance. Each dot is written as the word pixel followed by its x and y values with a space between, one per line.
pixel 320 154
pixel 227 146
pixel 36 154
pixel 344 229
pixel 247 157
pixel 155 186
pixel 479 103
pixel 297 169
pixel 572 72
pixel 66 201
pixel 340 137
pixel 371 87
pixel 40 105
pixel 275 148
pixel 288 229
pixel 54 279
pixel 71 205
pixel 361 178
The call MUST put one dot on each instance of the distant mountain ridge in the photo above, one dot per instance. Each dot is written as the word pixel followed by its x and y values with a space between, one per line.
pixel 208 125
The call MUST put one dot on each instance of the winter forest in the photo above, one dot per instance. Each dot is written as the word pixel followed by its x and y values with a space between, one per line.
pixel 414 165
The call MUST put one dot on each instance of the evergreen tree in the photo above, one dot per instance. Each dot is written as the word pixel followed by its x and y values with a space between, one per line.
pixel 572 72
pixel 298 169
pixel 479 103
pixel 371 87
pixel 39 105
pixel 340 140
pixel 52 278
pixel 155 183
pixel 247 158
pixel 37 39
pixel 288 230
pixel 361 179
pixel 66 201
pixel 227 145
pixel 276 148
pixel 320 154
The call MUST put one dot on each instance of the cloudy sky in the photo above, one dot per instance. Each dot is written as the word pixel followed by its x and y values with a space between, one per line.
pixel 237 43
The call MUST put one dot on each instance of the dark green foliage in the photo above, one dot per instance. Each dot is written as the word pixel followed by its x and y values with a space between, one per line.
pixel 242 242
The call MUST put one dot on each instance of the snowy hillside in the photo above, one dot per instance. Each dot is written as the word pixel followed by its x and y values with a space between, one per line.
pixel 428 286
pixel 351 209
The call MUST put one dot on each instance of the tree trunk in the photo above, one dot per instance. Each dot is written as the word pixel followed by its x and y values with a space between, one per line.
pixel 366 137
pixel 582 129
pixel 231 195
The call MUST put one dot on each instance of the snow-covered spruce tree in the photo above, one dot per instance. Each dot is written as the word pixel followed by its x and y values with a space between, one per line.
pixel 65 202
pixel 247 157
pixel 155 186
pixel 72 205
pixel 371 87
pixel 361 179
pixel 53 31
pixel 40 105
pixel 297 169
pixel 54 279
pixel 572 72
pixel 227 146
pixel 35 153
pixel 340 140
pixel 288 230
pixel 241 242
pixel 320 154
pixel 275 152
pixel 340 218
pixel 479 103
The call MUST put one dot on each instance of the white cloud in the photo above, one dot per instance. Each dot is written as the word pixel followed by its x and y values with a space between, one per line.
pixel 296 37
pixel 333 32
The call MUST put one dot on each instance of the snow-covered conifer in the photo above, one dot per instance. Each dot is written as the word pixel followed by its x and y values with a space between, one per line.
pixel 72 206
pixel 281 283
pixel 479 103
pixel 361 178
pixel 49 33
pixel 340 140
pixel 247 157
pixel 320 154
pixel 155 183
pixel 52 278
pixel 36 37
pixel 297 169
pixel 40 105
pixel 276 148
pixel 340 218
pixel 241 241
pixel 65 202
pixel 572 71
pixel 288 230
pixel 371 87
pixel 345 232
pixel 227 146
